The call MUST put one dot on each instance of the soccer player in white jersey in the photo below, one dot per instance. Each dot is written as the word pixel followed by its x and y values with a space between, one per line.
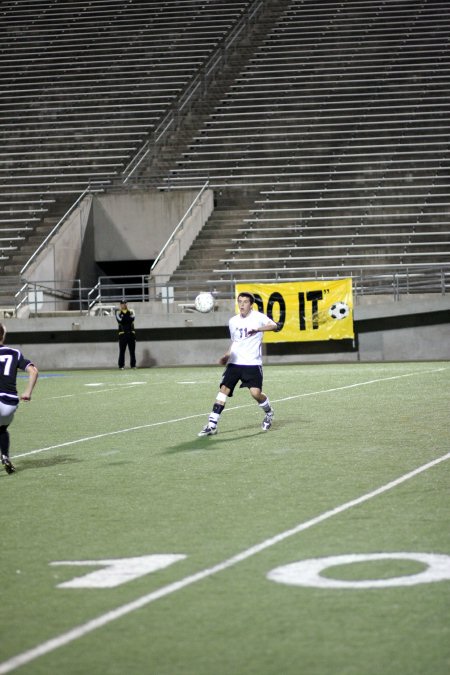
pixel 243 362
pixel 11 360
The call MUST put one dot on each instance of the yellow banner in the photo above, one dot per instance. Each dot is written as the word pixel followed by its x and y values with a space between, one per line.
pixel 307 310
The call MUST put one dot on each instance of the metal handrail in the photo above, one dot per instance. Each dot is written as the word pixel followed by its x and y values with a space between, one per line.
pixel 209 67
pixel 178 227
pixel 21 293
pixel 67 291
pixel 397 283
pixel 117 288
pixel 98 298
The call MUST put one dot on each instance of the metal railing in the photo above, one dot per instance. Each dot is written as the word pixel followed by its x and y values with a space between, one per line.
pixel 50 296
pixel 92 187
pixel 59 296
pixel 183 287
pixel 200 82
pixel 179 226
pixel 111 290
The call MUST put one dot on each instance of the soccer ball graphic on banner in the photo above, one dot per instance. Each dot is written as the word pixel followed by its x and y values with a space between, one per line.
pixel 339 310
pixel 204 302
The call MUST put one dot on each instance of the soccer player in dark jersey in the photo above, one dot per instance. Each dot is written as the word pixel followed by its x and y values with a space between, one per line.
pixel 10 361
pixel 127 335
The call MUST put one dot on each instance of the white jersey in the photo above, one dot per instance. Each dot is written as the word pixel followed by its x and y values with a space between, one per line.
pixel 245 349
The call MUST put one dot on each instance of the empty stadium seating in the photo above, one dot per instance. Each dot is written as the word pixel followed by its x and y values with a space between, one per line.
pixel 327 145
pixel 337 129
pixel 83 86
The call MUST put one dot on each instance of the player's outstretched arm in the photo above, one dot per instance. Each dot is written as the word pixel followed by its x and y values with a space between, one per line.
pixel 267 327
pixel 33 374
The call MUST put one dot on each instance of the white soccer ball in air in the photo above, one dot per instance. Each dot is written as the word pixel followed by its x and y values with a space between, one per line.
pixel 339 310
pixel 204 302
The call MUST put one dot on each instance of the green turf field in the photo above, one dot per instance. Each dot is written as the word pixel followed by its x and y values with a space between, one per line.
pixel 109 467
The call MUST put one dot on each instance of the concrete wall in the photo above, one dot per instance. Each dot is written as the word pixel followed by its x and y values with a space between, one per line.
pixel 136 225
pixel 183 239
pixel 386 331
pixel 111 227
pixel 60 259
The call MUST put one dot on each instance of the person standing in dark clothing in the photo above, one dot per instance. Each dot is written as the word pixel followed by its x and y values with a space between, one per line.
pixel 127 335
pixel 11 360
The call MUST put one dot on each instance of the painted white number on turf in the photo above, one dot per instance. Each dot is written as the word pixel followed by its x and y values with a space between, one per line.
pixel 307 572
pixel 117 571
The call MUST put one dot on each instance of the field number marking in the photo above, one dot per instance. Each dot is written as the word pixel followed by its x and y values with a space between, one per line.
pixel 117 571
pixel 88 627
pixel 307 572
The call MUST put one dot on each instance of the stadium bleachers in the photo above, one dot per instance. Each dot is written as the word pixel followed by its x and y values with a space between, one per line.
pixel 83 86
pixel 326 146
pixel 338 130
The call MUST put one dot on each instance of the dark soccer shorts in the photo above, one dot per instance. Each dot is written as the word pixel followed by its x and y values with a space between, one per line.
pixel 250 376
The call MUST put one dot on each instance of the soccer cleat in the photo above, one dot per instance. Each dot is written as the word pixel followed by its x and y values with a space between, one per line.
pixel 267 421
pixel 9 466
pixel 208 431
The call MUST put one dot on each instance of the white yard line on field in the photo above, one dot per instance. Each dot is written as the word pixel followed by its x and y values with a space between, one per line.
pixel 104 619
pixel 229 409
pixel 110 388
pixel 79 631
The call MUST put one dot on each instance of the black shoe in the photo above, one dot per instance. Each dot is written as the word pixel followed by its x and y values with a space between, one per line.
pixel 9 466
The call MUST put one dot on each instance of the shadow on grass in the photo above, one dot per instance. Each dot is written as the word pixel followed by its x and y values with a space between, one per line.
pixel 124 462
pixel 211 442
pixel 43 463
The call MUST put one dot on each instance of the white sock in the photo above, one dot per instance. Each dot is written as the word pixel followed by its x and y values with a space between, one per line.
pixel 265 405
